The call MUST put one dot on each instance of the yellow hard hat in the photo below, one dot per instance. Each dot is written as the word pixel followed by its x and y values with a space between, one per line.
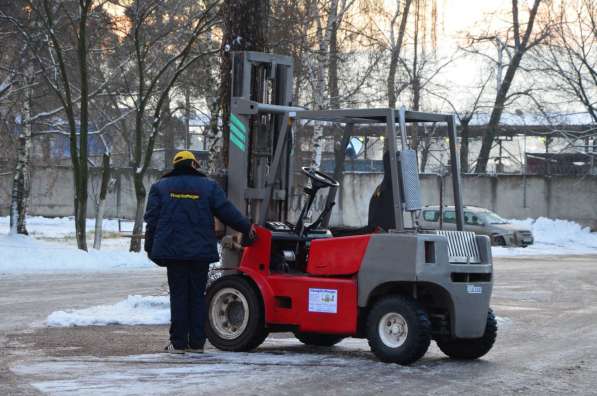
pixel 183 155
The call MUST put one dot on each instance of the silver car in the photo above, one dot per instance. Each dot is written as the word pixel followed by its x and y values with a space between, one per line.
pixel 481 221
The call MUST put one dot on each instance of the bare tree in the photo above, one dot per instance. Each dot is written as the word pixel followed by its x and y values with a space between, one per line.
pixel 290 35
pixel 21 186
pixel 395 45
pixel 327 19
pixel 569 56
pixel 17 88
pixel 245 26
pixel 518 40
pixel 101 201
pixel 465 115
pixel 422 65
pixel 20 91
pixel 65 71
pixel 162 49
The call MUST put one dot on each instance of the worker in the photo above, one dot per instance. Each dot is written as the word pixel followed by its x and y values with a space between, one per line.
pixel 180 236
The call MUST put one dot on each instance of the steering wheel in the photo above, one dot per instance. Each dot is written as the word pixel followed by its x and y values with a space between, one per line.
pixel 319 179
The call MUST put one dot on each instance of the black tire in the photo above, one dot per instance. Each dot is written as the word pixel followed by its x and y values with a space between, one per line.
pixel 471 348
pixel 498 240
pixel 254 332
pixel 418 330
pixel 326 340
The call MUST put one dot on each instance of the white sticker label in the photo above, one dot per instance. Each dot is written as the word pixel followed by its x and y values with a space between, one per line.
pixel 323 300
pixel 472 289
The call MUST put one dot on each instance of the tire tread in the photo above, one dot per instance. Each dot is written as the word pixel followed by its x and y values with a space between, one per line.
pixel 474 348
pixel 243 343
pixel 417 346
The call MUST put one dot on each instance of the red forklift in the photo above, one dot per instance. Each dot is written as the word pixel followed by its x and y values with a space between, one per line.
pixel 391 282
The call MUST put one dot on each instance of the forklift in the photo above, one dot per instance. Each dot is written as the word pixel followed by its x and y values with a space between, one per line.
pixel 391 282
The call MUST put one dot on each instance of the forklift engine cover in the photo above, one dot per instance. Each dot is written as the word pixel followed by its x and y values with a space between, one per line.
pixel 337 256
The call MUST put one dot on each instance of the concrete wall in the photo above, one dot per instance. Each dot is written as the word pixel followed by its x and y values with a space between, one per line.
pixel 52 192
pixel 513 196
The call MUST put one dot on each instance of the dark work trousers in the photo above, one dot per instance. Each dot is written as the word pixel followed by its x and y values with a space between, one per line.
pixel 187 280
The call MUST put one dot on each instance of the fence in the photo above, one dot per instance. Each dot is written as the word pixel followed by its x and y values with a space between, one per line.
pixel 513 196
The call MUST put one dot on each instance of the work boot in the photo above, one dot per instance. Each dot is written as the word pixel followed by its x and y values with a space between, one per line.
pixel 171 349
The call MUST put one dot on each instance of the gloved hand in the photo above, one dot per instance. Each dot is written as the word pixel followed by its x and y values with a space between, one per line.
pixel 249 238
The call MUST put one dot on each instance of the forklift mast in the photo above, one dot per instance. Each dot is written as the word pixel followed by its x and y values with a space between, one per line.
pixel 259 169
pixel 261 117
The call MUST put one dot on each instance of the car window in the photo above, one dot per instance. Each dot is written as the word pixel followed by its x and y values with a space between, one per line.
pixel 430 215
pixel 449 216
pixel 494 218
pixel 471 218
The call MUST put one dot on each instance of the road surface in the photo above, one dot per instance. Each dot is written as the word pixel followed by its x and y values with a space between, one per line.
pixel 547 344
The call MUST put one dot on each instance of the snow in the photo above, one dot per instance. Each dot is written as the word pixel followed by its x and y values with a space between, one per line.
pixel 552 237
pixel 23 254
pixel 135 310
pixel 51 247
pixel 58 227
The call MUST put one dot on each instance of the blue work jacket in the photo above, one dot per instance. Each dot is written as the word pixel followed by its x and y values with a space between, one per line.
pixel 180 217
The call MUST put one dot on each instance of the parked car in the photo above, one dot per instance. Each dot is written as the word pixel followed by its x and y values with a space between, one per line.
pixel 481 221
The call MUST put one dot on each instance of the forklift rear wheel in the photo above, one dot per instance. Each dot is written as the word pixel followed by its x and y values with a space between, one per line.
pixel 398 330
pixel 235 315
pixel 471 348
pixel 326 340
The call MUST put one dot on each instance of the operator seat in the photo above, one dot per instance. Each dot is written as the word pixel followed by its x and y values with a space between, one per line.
pixel 381 205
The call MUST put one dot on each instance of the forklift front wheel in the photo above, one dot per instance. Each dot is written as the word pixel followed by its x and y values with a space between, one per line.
pixel 235 315
pixel 398 330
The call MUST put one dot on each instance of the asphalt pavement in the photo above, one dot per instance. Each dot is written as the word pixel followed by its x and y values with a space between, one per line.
pixel 547 344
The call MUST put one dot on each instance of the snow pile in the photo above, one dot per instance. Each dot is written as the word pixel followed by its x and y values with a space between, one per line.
pixel 135 310
pixel 57 251
pixel 60 227
pixel 22 254
pixel 559 232
pixel 553 237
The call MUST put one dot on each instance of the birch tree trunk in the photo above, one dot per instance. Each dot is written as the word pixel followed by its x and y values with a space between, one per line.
pixel 322 61
pixel 140 194
pixel 212 138
pixel 101 203
pixel 21 186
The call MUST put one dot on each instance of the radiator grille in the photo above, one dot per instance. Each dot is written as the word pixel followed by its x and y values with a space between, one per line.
pixel 462 246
